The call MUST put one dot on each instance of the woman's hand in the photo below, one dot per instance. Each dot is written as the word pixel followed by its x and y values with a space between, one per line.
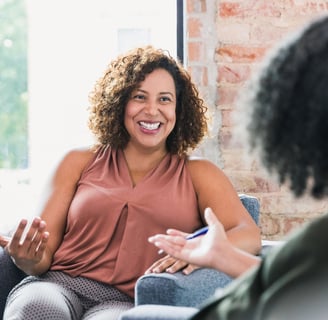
pixel 4 241
pixel 27 246
pixel 171 265
pixel 198 250
pixel 212 250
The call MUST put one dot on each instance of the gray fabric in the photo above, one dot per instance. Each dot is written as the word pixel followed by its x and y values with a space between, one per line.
pixel 178 289
pixel 71 298
pixel 158 312
pixel 10 275
pixel 252 205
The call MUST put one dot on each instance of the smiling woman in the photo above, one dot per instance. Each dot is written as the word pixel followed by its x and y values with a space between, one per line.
pixel 37 127
pixel 104 201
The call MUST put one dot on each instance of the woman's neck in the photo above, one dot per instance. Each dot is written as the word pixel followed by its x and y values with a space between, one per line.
pixel 140 162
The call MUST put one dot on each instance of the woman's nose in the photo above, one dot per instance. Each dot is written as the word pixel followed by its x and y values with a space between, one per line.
pixel 151 108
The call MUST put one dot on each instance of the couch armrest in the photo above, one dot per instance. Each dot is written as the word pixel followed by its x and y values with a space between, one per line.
pixel 252 205
pixel 178 289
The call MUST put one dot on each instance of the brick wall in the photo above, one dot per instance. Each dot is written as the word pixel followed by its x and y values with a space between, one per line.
pixel 225 40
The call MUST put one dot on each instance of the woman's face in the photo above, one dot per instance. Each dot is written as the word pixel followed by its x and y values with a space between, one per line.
pixel 150 112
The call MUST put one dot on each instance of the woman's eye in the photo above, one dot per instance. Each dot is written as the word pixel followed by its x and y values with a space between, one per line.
pixel 165 99
pixel 139 97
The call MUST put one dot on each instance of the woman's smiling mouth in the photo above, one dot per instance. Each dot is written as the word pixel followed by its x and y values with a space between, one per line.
pixel 150 125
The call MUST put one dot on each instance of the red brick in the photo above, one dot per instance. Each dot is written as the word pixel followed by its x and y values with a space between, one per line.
pixel 226 117
pixel 270 226
pixel 194 26
pixel 196 6
pixel 234 32
pixel 234 160
pixel 237 53
pixel 195 51
pixel 312 7
pixel 205 76
pixel 267 35
pixel 233 73
pixel 228 9
pixel 249 8
pixel 264 185
pixel 291 224
pixel 227 140
pixel 226 94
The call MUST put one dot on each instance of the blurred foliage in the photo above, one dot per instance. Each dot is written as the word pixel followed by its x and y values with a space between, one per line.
pixel 13 85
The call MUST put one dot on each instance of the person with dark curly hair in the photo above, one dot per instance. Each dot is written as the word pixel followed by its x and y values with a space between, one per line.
pixel 288 126
pixel 85 252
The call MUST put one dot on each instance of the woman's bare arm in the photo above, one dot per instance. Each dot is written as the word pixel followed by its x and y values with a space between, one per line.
pixel 32 247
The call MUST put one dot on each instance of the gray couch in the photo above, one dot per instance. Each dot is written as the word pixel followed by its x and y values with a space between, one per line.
pixel 158 296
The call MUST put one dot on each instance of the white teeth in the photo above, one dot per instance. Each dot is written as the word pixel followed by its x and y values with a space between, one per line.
pixel 150 126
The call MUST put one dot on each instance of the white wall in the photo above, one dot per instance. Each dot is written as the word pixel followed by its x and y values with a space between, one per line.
pixel 70 44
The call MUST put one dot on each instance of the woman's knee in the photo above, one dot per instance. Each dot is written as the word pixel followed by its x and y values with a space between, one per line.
pixel 42 300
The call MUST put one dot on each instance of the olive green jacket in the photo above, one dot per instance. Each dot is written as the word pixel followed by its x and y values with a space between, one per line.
pixel 290 283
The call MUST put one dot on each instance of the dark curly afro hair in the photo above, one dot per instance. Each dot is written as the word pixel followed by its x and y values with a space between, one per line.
pixel 289 120
pixel 112 92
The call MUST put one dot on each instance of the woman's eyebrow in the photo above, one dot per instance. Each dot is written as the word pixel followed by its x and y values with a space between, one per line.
pixel 162 92
pixel 167 92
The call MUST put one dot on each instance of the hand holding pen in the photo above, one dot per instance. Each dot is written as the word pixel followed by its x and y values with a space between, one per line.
pixel 212 250
pixel 193 235
pixel 194 248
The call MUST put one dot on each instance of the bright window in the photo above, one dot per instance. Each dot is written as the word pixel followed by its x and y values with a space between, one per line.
pixel 51 54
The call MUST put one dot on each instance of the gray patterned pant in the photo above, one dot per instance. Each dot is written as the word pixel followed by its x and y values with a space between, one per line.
pixel 58 296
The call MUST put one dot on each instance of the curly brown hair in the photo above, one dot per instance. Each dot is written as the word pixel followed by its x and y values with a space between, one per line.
pixel 112 91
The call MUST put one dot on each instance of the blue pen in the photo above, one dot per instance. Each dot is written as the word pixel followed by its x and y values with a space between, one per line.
pixel 198 233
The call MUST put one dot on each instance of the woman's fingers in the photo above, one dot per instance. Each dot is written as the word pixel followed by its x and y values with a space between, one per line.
pixel 35 235
pixel 42 246
pixel 210 217
pixel 17 236
pixel 161 264
pixel 189 269
pixel 176 266
pixel 4 241
pixel 29 244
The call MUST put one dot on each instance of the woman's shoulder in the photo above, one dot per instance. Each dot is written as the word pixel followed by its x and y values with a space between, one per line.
pixel 197 163
pixel 203 169
pixel 77 159
pixel 83 154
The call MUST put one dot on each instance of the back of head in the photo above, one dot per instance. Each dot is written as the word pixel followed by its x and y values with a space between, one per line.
pixel 289 117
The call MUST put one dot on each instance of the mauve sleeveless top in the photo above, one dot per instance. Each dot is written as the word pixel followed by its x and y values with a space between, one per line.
pixel 110 220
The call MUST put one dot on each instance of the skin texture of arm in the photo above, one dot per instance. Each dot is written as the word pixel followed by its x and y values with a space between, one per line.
pixel 212 250
pixel 33 253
